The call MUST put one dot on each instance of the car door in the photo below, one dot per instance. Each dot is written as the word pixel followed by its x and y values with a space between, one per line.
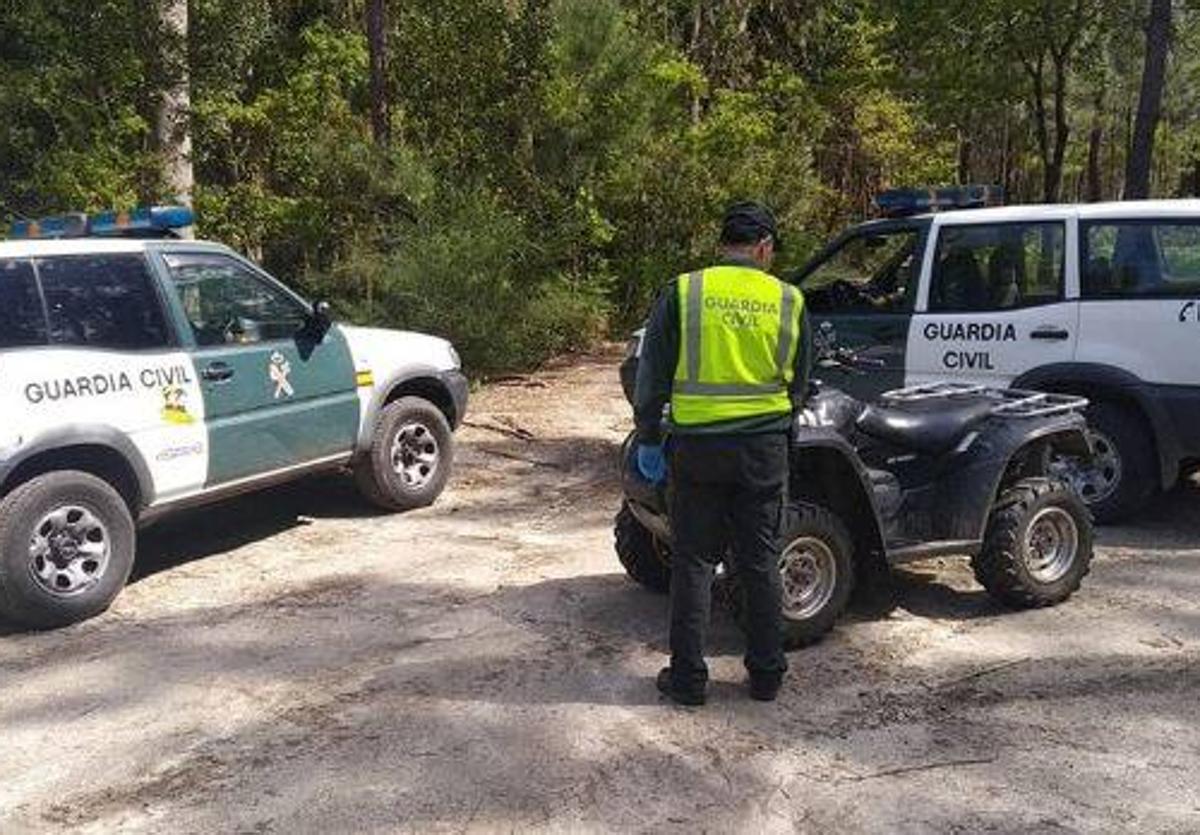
pixel 278 391
pixel 1140 309
pixel 113 370
pixel 859 295
pixel 996 302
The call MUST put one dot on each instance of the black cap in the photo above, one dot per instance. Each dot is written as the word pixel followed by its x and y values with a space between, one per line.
pixel 749 223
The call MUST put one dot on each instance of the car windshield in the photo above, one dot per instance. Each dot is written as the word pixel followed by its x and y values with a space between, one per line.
pixel 872 271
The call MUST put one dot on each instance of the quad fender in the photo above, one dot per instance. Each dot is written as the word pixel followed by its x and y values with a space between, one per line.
pixel 94 448
pixel 1023 450
pixel 1105 382
pixel 826 470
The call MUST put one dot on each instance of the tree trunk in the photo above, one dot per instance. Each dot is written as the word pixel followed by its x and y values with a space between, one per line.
pixel 964 159
pixel 1094 187
pixel 1158 43
pixel 694 53
pixel 377 47
pixel 172 129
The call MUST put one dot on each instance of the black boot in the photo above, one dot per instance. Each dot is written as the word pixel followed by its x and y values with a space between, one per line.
pixel 689 696
pixel 764 688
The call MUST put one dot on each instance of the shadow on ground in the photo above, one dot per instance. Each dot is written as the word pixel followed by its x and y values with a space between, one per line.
pixel 417 703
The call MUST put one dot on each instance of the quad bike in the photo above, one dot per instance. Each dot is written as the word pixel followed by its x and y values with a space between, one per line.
pixel 933 470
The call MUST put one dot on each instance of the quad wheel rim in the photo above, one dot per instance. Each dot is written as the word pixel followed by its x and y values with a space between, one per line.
pixel 1051 544
pixel 415 455
pixel 1094 480
pixel 69 550
pixel 808 573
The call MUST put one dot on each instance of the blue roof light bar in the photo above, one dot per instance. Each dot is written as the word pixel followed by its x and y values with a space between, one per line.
pixel 901 202
pixel 144 222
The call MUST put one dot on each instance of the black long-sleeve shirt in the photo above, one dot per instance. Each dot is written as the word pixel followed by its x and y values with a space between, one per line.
pixel 656 374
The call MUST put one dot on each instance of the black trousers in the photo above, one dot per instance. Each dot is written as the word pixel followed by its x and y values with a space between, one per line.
pixel 728 496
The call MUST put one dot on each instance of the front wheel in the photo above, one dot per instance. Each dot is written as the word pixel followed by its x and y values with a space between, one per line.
pixel 67 544
pixel 816 572
pixel 1038 545
pixel 410 456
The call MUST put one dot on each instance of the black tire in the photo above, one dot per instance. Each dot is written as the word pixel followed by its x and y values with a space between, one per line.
pixel 646 560
pixel 24 519
pixel 429 432
pixel 1007 567
pixel 820 536
pixel 1121 431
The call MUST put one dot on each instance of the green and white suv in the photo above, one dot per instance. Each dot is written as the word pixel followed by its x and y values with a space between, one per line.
pixel 140 375
pixel 1099 300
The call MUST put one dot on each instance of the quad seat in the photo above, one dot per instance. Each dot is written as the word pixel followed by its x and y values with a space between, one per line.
pixel 930 428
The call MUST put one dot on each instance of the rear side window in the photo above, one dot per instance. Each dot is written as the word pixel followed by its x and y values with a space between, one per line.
pixel 1000 266
pixel 1141 259
pixel 22 318
pixel 102 301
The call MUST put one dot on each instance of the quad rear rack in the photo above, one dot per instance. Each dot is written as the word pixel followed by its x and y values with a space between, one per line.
pixel 1012 403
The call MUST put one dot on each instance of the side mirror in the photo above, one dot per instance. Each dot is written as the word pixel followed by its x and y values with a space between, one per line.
pixel 320 319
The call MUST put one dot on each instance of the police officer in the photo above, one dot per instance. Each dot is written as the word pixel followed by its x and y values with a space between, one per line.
pixel 727 346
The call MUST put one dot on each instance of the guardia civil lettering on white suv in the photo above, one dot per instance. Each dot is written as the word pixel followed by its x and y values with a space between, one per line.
pixel 141 373
pixel 1099 300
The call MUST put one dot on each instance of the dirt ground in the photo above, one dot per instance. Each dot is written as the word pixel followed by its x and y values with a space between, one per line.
pixel 292 662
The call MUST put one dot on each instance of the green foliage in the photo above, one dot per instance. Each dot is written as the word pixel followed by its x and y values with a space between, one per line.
pixel 464 270
pixel 552 164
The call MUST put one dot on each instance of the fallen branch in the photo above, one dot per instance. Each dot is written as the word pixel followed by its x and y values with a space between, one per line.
pixel 986 671
pixel 517 380
pixel 909 769
pixel 517 432
pixel 537 462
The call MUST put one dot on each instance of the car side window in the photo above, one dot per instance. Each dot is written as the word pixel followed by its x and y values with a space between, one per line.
pixel 22 317
pixel 226 303
pixel 872 272
pixel 999 266
pixel 1132 259
pixel 102 301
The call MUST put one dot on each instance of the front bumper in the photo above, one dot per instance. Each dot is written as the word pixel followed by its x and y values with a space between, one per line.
pixel 456 383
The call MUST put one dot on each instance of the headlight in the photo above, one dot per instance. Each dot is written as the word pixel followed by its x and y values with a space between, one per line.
pixel 454 357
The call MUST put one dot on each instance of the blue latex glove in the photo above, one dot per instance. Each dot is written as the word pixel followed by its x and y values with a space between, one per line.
pixel 652 463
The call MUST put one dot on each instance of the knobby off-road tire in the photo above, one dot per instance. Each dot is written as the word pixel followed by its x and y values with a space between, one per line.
pixel 67 543
pixel 645 559
pixel 1124 451
pixel 1018 563
pixel 817 573
pixel 411 454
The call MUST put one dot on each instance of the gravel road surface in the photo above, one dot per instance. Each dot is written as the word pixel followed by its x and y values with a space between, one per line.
pixel 292 662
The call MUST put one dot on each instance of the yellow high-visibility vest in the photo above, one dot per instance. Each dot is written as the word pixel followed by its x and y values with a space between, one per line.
pixel 739 334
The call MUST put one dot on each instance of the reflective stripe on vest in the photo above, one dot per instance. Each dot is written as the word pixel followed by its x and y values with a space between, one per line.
pixel 740 333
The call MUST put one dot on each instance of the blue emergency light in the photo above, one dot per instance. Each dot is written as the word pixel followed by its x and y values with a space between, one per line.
pixel 144 222
pixel 901 202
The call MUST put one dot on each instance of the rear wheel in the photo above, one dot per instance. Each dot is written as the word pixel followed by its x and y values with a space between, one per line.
pixel 1038 545
pixel 67 545
pixel 816 568
pixel 646 559
pixel 1120 478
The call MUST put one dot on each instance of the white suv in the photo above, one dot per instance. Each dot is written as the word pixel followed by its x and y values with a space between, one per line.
pixel 1100 300
pixel 141 375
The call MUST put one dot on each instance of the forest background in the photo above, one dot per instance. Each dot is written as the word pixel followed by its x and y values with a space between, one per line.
pixel 522 176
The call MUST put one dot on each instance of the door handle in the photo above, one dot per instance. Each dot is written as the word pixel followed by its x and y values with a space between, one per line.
pixel 1050 332
pixel 216 372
